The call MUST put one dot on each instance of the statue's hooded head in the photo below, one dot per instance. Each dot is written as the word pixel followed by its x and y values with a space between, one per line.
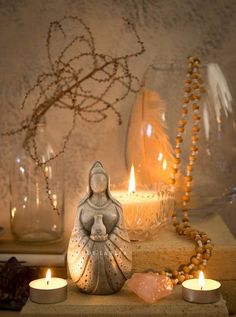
pixel 98 182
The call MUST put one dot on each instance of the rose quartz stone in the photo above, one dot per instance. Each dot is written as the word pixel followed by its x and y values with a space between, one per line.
pixel 150 286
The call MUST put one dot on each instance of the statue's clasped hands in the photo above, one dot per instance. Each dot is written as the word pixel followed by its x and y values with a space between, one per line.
pixel 98 230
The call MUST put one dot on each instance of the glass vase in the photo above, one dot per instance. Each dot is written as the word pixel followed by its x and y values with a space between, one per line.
pixel 153 128
pixel 32 216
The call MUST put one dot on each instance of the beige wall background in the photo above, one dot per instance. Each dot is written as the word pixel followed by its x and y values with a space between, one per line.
pixel 170 29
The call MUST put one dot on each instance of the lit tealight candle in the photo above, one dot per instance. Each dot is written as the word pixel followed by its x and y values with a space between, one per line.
pixel 201 290
pixel 48 290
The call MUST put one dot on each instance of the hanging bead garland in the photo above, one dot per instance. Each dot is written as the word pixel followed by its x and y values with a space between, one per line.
pixel 193 89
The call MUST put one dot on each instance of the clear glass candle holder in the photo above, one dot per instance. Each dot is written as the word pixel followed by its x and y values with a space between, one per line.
pixel 145 211
pixel 153 128
pixel 32 216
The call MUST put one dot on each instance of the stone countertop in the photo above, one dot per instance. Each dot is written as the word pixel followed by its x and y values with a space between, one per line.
pixel 124 304
pixel 170 250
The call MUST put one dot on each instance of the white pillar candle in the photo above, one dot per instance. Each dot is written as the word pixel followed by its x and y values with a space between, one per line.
pixel 142 210
pixel 201 290
pixel 48 290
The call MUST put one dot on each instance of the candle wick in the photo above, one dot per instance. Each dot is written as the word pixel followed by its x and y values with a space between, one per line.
pixel 201 288
pixel 47 282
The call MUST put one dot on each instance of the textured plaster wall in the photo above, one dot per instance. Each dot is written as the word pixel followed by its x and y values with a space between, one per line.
pixel 170 30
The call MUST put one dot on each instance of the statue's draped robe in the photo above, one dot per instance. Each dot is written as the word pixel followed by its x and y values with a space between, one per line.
pixel 100 267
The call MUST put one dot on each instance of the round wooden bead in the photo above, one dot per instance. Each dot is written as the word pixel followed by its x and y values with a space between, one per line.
pixel 194 148
pixel 204 238
pixel 195 128
pixel 192 158
pixel 186 269
pixel 179 230
pixel 175 273
pixel 162 273
pixel 206 256
pixel 186 225
pixel 209 246
pixel 196 60
pixel 187 89
pixel 195 75
pixel 195 137
pixel 198 237
pixel 195 106
pixel 193 234
pixel 179 139
pixel 182 122
pixel 176 223
pixel 184 206
pixel 187 189
pixel 178 150
pixel 187 276
pixel 188 178
pixel 181 278
pixel 191 59
pixel 195 261
pixel 174 171
pixel 199 249
pixel 185 198
pixel 180 129
pixel 199 256
pixel 177 160
pixel 185 100
pixel 188 81
pixel 189 168
pixel 195 85
pixel 196 117
pixel 174 281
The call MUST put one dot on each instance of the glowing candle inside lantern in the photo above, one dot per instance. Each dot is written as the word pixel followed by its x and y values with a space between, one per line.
pixel 140 209
pixel 131 188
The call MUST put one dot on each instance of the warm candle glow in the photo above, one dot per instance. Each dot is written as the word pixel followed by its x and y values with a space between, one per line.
pixel 54 200
pixel 201 280
pixel 164 164
pixel 131 188
pixel 48 276
pixel 201 290
pixel 48 290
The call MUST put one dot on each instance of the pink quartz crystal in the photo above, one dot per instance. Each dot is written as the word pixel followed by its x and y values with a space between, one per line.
pixel 150 286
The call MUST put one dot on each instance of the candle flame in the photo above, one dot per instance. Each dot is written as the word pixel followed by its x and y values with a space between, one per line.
pixel 48 276
pixel 54 199
pixel 131 188
pixel 160 157
pixel 164 164
pixel 201 280
pixel 13 212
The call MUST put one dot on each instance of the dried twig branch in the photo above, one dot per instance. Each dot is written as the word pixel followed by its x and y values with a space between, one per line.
pixel 69 85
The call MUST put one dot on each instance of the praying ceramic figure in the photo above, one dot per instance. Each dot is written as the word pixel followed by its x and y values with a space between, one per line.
pixel 99 253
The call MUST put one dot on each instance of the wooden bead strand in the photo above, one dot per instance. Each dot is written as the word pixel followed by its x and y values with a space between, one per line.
pixel 193 89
